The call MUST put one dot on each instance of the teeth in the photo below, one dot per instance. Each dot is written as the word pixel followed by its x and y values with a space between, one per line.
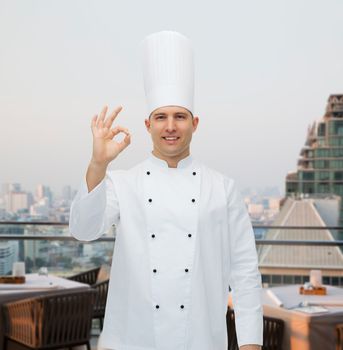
pixel 171 138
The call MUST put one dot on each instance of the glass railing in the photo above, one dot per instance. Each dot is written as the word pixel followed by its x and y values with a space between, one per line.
pixel 49 244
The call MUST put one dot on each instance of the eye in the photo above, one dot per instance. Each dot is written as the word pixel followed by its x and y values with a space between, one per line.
pixel 181 116
pixel 159 117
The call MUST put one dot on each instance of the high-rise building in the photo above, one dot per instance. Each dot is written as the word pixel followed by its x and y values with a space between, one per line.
pixel 8 255
pixel 313 198
pixel 320 165
pixel 67 193
pixel 43 191
pixel 10 251
pixel 16 201
pixel 10 187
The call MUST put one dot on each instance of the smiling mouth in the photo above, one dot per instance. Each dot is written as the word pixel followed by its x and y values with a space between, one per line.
pixel 170 138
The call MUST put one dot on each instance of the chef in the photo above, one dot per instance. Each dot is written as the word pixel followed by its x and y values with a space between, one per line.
pixel 183 232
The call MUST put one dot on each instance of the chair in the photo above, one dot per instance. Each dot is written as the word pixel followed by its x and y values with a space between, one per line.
pixel 100 301
pixel 89 277
pixel 231 330
pixel 339 336
pixel 273 329
pixel 50 321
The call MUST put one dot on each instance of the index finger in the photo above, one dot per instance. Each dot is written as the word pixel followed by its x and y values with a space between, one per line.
pixel 112 116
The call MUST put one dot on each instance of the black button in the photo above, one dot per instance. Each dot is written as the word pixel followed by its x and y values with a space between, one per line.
pixel 189 235
pixel 186 270
pixel 150 200
pixel 181 306
pixel 153 236
pixel 157 306
pixel 148 172
pixel 193 200
pixel 154 270
pixel 194 173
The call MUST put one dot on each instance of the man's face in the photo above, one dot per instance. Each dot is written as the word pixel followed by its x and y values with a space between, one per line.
pixel 171 130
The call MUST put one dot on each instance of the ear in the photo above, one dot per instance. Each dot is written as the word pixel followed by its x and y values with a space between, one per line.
pixel 195 123
pixel 147 124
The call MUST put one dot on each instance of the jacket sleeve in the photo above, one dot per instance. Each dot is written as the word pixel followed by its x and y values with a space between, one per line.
pixel 93 213
pixel 245 278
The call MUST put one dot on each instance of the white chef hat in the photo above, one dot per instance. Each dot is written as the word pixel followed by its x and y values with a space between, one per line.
pixel 168 72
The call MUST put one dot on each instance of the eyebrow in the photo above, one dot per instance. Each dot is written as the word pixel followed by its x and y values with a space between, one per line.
pixel 164 114
pixel 152 115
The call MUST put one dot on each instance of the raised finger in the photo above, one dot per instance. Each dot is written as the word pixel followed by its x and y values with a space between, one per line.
pixel 109 121
pixel 102 116
pixel 93 122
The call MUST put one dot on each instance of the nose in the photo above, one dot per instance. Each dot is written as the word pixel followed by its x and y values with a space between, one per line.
pixel 170 127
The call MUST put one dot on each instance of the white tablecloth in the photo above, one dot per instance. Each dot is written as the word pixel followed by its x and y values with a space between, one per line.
pixel 35 282
pixel 305 331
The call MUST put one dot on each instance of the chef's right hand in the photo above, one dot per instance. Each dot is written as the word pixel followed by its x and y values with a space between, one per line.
pixel 105 147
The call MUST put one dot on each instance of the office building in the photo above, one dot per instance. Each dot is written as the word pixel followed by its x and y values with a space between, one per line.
pixel 320 165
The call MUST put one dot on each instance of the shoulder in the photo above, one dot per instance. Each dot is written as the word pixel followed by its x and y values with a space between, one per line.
pixel 229 183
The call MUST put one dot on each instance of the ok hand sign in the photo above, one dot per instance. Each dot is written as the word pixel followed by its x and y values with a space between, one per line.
pixel 105 148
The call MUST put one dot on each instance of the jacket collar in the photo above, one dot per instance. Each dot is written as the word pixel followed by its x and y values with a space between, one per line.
pixel 183 163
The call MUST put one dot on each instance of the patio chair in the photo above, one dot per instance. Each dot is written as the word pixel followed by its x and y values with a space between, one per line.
pixel 50 321
pixel 273 329
pixel 100 301
pixel 339 336
pixel 89 277
pixel 231 330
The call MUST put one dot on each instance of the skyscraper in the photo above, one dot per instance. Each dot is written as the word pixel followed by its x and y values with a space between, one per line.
pixel 320 165
pixel 43 192
pixel 313 198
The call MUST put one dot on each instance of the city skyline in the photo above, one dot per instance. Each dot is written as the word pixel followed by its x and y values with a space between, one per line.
pixel 268 191
pixel 18 204
pixel 264 72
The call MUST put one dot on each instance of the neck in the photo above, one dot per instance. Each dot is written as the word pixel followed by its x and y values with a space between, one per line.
pixel 171 160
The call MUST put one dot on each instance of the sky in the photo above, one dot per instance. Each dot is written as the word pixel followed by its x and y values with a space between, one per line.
pixel 263 73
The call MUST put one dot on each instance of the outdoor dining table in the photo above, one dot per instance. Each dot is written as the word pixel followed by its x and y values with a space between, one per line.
pixel 34 285
pixel 305 331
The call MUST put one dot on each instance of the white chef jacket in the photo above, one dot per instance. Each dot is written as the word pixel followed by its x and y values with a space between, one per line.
pixel 183 236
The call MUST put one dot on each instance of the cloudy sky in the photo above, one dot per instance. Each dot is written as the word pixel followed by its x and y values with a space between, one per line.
pixel 264 71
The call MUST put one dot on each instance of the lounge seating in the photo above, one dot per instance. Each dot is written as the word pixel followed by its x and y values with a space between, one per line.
pixel 100 300
pixel 51 321
pixel 231 330
pixel 89 277
pixel 98 279
pixel 273 329
pixel 339 336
